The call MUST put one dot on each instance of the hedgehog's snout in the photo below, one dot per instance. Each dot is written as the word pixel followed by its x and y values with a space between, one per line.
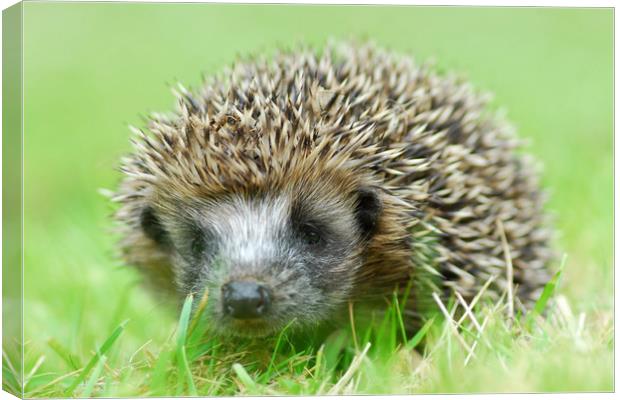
pixel 245 299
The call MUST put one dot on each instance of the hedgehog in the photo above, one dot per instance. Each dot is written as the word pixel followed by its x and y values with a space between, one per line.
pixel 290 187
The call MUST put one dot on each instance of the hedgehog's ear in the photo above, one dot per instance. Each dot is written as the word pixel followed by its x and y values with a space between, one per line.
pixel 367 210
pixel 152 226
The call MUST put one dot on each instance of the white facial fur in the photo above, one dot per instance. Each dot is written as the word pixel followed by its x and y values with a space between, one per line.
pixel 257 240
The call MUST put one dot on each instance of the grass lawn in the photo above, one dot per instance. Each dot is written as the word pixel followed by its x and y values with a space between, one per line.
pixel 91 329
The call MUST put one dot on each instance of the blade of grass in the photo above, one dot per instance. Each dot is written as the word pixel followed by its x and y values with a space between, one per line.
pixel 405 296
pixel 243 376
pixel 417 338
pixel 393 332
pixel 318 364
pixel 88 389
pixel 546 295
pixel 276 348
pixel 184 321
pixel 348 375
pixel 195 346
pixel 369 330
pixel 34 370
pixel 198 313
pixel 159 376
pixel 473 347
pixel 7 362
pixel 182 364
pixel 41 389
pixel 9 381
pixel 184 367
pixel 333 347
pixel 107 345
pixel 401 323
pixel 352 322
pixel 71 359
pixel 477 297
pixel 549 289
pixel 451 323
pixel 509 270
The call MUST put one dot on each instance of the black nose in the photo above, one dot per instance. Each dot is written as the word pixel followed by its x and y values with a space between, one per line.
pixel 245 300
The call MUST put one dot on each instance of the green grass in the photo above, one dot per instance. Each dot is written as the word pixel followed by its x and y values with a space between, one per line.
pixel 525 353
pixel 92 69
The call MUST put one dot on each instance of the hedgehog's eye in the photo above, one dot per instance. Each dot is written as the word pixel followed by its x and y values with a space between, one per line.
pixel 310 234
pixel 198 246
pixel 198 241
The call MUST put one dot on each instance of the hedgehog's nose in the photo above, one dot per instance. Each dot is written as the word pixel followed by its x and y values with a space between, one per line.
pixel 245 300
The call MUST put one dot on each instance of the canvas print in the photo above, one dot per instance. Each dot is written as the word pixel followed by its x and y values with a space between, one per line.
pixel 232 199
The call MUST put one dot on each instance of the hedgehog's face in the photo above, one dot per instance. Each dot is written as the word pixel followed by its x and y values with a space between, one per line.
pixel 266 261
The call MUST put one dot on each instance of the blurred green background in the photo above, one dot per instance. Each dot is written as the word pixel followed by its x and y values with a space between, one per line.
pixel 91 69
